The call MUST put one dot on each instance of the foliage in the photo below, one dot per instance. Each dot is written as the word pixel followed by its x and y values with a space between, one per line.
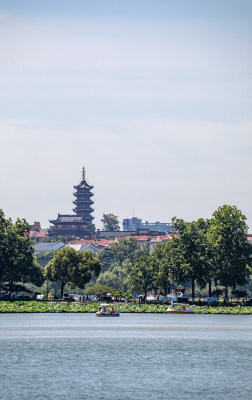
pixel 44 255
pixel 17 263
pixel 195 250
pixel 99 289
pixel 47 240
pixel 169 264
pixel 110 222
pixel 70 266
pixel 232 252
pixel 117 261
pixel 120 251
pixel 195 254
pixel 89 307
pixel 91 227
pixel 205 250
pixel 142 274
pixel 240 293
pixel 116 276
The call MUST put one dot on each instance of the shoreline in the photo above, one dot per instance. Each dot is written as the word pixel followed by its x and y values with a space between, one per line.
pixel 32 307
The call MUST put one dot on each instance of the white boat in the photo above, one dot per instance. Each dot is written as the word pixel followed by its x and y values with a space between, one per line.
pixel 105 310
pixel 171 310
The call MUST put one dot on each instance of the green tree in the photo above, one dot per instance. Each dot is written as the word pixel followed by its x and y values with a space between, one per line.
pixel 91 227
pixel 116 276
pixel 70 266
pixel 99 289
pixel 5 248
pixel 89 267
pixel 194 248
pixel 169 264
pixel 142 274
pixel 110 223
pixel 47 240
pixel 232 252
pixel 35 274
pixel 120 251
pixel 16 254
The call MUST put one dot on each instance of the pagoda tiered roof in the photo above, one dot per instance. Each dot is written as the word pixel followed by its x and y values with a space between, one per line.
pixel 83 185
pixel 83 202
pixel 83 194
pixel 83 209
pixel 68 218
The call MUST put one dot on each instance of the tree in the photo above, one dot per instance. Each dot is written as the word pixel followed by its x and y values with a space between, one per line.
pixel 120 251
pixel 99 289
pixel 116 276
pixel 169 264
pixel 4 245
pixel 47 240
pixel 110 222
pixel 43 257
pixel 142 274
pixel 17 263
pixel 91 227
pixel 195 250
pixel 232 252
pixel 70 266
pixel 35 274
pixel 89 267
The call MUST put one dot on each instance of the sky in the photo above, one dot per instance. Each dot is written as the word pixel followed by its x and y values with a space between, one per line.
pixel 153 97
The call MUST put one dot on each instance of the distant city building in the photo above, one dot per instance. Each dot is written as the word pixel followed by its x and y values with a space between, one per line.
pixel 77 225
pixel 131 224
pixel 36 226
pixel 134 224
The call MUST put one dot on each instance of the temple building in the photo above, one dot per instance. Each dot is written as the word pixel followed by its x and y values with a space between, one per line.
pixel 83 200
pixel 78 225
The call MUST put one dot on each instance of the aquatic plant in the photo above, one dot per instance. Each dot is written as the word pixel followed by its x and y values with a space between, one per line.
pixel 74 307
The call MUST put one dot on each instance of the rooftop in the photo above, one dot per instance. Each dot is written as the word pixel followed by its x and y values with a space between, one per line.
pixel 69 218
pixel 49 246
pixel 36 235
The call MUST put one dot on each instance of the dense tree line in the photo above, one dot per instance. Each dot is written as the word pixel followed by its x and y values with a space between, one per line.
pixel 214 250
pixel 117 261
pixel 204 251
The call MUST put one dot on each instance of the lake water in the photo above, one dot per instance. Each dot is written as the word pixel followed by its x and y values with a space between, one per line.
pixel 135 356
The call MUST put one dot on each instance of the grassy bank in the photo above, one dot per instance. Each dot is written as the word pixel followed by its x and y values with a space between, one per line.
pixel 52 307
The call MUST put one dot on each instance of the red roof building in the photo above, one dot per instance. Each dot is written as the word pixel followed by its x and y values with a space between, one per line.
pixel 37 236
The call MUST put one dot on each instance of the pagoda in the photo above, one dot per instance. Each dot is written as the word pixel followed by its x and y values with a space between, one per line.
pixel 78 225
pixel 83 200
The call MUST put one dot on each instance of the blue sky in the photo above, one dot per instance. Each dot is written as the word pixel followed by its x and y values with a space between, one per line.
pixel 153 97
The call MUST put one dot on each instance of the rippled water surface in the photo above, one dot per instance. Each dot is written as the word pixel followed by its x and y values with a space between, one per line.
pixel 135 356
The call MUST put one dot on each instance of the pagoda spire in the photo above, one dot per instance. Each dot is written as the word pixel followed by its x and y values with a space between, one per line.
pixel 83 173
